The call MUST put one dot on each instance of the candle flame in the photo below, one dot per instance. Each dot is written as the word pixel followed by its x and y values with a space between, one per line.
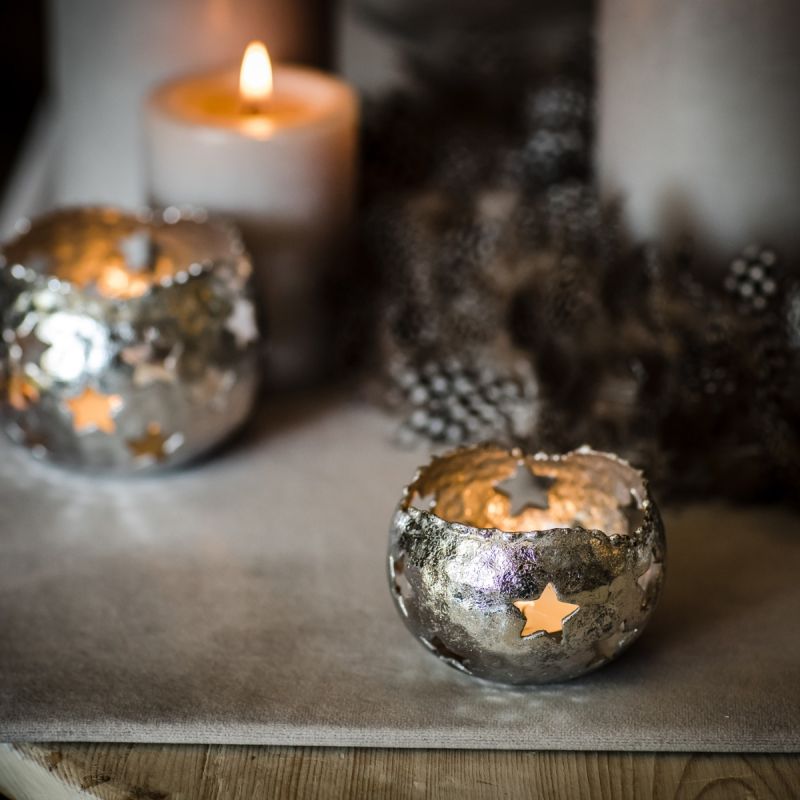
pixel 255 77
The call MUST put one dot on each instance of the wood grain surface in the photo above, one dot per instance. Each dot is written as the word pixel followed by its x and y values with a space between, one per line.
pixel 180 772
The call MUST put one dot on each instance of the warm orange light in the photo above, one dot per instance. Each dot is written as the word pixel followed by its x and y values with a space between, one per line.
pixel 255 77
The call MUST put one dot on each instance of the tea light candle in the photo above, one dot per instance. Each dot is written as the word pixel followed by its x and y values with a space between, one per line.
pixel 274 149
pixel 130 340
pixel 699 120
pixel 526 569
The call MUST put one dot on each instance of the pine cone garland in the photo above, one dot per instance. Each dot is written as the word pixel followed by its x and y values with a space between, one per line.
pixel 792 317
pixel 450 402
pixel 573 217
pixel 548 269
pixel 751 279
pixel 558 106
pixel 549 156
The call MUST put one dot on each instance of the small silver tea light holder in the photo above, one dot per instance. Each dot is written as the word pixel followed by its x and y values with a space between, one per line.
pixel 130 341
pixel 526 569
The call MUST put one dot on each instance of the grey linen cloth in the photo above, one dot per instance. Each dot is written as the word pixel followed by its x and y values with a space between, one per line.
pixel 245 601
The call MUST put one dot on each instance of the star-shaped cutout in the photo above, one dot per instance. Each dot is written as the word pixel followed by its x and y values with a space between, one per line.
pixel 136 353
pixel 31 347
pixel 546 613
pixel 242 322
pixel 21 392
pixel 118 283
pixel 146 368
pixel 424 503
pixel 649 576
pixel 633 514
pixel 214 388
pixel 139 250
pixel 605 649
pixel 94 410
pixel 526 490
pixel 154 443
pixel 146 373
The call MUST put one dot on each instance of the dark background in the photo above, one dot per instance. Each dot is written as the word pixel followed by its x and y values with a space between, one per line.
pixel 23 67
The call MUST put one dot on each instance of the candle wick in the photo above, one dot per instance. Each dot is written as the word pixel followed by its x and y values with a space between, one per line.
pixel 252 108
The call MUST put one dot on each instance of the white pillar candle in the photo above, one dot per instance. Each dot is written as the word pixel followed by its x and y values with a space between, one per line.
pixel 699 120
pixel 280 162
pixel 105 55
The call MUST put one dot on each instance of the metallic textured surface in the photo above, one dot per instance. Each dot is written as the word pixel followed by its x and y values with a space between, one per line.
pixel 462 553
pixel 129 340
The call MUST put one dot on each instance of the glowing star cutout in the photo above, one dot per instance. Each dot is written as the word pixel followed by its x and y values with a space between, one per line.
pixel 94 410
pixel 242 322
pixel 154 443
pixel 21 392
pixel 526 490
pixel 546 613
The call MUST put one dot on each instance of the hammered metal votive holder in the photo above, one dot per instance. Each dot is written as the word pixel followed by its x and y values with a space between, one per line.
pixel 130 340
pixel 526 569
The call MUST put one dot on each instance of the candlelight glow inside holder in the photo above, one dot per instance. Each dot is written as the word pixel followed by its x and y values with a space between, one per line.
pixel 129 340
pixel 526 569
